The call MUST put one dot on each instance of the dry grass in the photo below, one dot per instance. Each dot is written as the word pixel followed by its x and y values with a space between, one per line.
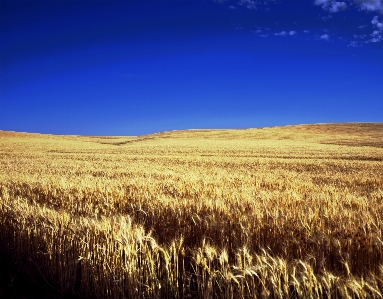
pixel 284 212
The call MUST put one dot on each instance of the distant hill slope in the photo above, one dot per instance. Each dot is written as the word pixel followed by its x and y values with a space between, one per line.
pixel 352 134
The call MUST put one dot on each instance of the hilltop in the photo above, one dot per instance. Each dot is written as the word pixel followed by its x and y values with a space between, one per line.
pixel 368 134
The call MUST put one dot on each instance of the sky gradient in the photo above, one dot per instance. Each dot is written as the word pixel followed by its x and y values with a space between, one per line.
pixel 139 67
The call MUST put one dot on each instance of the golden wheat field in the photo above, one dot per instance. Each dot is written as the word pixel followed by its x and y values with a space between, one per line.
pixel 281 212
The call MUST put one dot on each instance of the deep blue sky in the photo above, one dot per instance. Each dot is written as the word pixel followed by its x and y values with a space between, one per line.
pixel 138 67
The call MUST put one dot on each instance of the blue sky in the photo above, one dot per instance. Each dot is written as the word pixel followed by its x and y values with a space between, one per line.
pixel 139 67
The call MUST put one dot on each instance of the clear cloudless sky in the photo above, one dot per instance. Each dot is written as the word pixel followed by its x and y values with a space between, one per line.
pixel 139 67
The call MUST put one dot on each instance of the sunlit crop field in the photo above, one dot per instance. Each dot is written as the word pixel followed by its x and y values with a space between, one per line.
pixel 283 212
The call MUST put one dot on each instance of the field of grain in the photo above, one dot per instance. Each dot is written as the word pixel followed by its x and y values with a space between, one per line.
pixel 282 212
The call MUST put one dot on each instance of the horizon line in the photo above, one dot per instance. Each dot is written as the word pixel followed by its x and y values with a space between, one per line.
pixel 199 129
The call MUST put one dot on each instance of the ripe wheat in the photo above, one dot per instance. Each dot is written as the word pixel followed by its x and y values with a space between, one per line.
pixel 290 212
